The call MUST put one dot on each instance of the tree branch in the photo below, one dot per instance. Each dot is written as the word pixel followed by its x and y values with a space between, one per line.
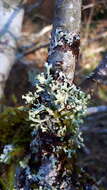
pixel 98 75
pixel 65 41
pixel 10 29
pixel 96 110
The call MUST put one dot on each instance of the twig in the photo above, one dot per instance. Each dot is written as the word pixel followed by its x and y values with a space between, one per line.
pixel 33 47
pixel 33 38
pixel 35 5
pixel 88 6
pixel 32 50
pixel 89 21
pixel 93 130
pixel 92 5
pixel 5 28
pixel 98 37
pixel 96 110
pixel 44 31
pixel 99 75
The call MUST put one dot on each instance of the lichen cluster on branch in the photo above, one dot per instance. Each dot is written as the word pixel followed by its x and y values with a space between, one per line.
pixel 57 107
pixel 55 112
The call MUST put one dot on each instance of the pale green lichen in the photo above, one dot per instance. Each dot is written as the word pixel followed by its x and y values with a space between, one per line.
pixel 62 37
pixel 57 107
pixel 55 111
pixel 54 114
pixel 6 155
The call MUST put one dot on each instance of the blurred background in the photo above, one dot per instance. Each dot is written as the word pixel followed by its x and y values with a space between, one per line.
pixel 32 54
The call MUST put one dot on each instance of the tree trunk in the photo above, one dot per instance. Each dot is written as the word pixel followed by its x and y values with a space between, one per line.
pixel 11 15
pixel 52 153
pixel 65 41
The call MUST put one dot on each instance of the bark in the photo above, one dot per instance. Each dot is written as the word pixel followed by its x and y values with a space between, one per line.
pixel 11 15
pixel 65 41
pixel 56 172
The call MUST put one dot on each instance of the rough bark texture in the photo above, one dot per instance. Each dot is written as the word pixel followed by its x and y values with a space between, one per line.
pixel 64 48
pixel 56 171
pixel 11 16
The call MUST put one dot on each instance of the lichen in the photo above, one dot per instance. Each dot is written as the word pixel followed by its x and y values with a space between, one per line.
pixel 57 106
pixel 62 37
pixel 6 153
pixel 56 110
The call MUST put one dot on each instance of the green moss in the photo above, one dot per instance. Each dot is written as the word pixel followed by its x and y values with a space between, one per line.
pixel 14 127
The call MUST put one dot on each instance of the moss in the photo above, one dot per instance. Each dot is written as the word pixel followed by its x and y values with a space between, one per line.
pixel 15 134
pixel 14 127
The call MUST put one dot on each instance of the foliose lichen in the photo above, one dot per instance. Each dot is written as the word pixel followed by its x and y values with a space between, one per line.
pixel 5 156
pixel 62 37
pixel 57 107
pixel 56 110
